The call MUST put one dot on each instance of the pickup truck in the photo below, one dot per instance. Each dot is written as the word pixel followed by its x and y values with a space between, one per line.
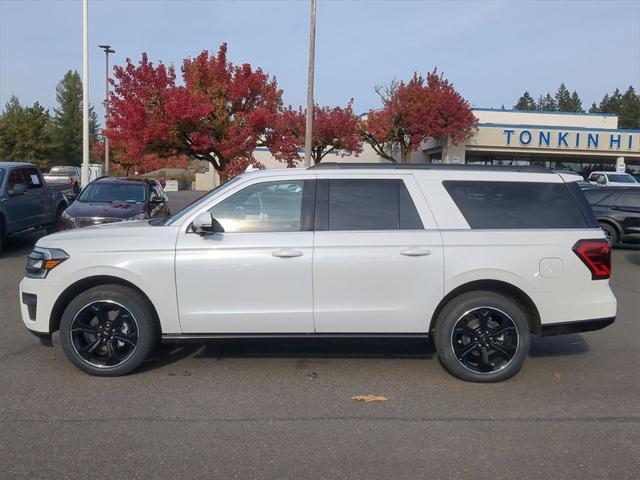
pixel 64 178
pixel 26 201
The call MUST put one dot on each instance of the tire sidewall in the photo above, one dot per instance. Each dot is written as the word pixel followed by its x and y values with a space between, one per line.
pixel 614 232
pixel 139 308
pixel 458 307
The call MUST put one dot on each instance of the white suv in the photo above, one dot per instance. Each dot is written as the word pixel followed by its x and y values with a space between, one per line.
pixel 477 258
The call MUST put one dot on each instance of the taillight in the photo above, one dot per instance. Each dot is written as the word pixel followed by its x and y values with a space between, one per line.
pixel 596 255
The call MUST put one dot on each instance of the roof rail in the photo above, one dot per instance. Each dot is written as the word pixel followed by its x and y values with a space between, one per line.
pixel 427 166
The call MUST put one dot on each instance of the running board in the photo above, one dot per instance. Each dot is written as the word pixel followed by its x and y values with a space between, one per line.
pixel 203 337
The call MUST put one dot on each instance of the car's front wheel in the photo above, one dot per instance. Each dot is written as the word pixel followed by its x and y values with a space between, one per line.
pixel 482 337
pixel 108 330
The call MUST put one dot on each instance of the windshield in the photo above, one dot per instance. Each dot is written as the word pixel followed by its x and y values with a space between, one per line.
pixel 197 201
pixel 621 178
pixel 113 193
pixel 1 176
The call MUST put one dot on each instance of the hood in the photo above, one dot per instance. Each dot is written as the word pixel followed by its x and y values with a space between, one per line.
pixel 113 210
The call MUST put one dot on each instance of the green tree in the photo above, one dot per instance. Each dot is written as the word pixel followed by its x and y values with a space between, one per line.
pixel 547 103
pixel 594 108
pixel 525 102
pixel 575 104
pixel 563 99
pixel 611 104
pixel 629 112
pixel 25 133
pixel 67 121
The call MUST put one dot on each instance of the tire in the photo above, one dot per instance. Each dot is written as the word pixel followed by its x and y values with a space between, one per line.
pixel 108 330
pixel 610 232
pixel 470 353
pixel 58 219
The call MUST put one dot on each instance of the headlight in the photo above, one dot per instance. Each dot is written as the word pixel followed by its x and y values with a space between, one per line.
pixel 139 216
pixel 66 217
pixel 43 260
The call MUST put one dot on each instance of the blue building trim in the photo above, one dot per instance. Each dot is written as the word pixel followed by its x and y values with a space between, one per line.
pixel 554 127
pixel 543 111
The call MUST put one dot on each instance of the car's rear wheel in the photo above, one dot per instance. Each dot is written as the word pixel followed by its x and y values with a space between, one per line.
pixel 482 337
pixel 108 330
pixel 610 232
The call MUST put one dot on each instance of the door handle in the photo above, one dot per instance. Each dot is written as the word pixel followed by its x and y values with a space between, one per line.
pixel 286 253
pixel 415 252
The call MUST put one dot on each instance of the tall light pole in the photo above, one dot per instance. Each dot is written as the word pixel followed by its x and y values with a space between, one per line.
pixel 312 60
pixel 107 50
pixel 85 92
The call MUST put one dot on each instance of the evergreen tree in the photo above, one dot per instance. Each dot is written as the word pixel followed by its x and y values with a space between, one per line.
pixel 629 112
pixel 563 99
pixel 67 120
pixel 594 108
pixel 25 133
pixel 576 103
pixel 547 103
pixel 525 102
pixel 611 104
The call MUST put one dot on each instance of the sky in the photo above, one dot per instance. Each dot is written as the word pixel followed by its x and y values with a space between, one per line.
pixel 490 50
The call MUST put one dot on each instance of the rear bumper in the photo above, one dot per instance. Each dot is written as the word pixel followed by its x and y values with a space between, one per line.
pixel 575 327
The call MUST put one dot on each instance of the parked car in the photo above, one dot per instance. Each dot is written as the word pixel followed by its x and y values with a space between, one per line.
pixel 613 179
pixel 67 177
pixel 478 258
pixel 617 210
pixel 112 199
pixel 26 200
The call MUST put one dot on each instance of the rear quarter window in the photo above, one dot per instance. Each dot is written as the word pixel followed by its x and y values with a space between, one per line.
pixel 516 205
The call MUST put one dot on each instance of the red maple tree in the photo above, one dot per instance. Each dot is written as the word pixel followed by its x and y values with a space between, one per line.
pixel 415 111
pixel 221 113
pixel 335 130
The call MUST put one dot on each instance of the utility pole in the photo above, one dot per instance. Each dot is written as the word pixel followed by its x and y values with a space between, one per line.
pixel 85 92
pixel 107 50
pixel 312 59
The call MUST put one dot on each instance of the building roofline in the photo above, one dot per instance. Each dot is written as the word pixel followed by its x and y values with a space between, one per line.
pixel 557 127
pixel 481 109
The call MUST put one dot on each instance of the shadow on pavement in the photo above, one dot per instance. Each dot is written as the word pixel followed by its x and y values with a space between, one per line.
pixel 21 245
pixel 378 348
pixel 559 346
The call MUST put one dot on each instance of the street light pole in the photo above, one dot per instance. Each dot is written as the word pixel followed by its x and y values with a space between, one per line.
pixel 107 50
pixel 312 59
pixel 85 92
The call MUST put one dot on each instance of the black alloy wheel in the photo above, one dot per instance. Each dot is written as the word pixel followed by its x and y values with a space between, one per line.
pixel 482 336
pixel 109 330
pixel 484 340
pixel 104 334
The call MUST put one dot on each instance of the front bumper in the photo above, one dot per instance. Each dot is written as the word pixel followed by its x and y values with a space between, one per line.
pixel 37 298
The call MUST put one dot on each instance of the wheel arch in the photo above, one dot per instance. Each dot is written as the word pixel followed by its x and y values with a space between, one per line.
pixel 84 284
pixel 497 286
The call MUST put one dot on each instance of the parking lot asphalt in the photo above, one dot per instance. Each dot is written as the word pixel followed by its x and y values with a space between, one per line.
pixel 283 409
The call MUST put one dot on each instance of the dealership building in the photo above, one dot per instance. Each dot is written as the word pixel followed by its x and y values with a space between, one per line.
pixel 581 142
pixel 578 141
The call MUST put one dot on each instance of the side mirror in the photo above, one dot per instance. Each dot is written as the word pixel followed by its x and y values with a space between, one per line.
pixel 18 189
pixel 205 224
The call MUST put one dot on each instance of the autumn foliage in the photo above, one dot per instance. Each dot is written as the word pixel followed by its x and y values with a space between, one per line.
pixel 336 130
pixel 220 113
pixel 415 111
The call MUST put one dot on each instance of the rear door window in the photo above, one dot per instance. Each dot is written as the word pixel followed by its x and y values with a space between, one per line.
pixel 366 204
pixel 516 205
